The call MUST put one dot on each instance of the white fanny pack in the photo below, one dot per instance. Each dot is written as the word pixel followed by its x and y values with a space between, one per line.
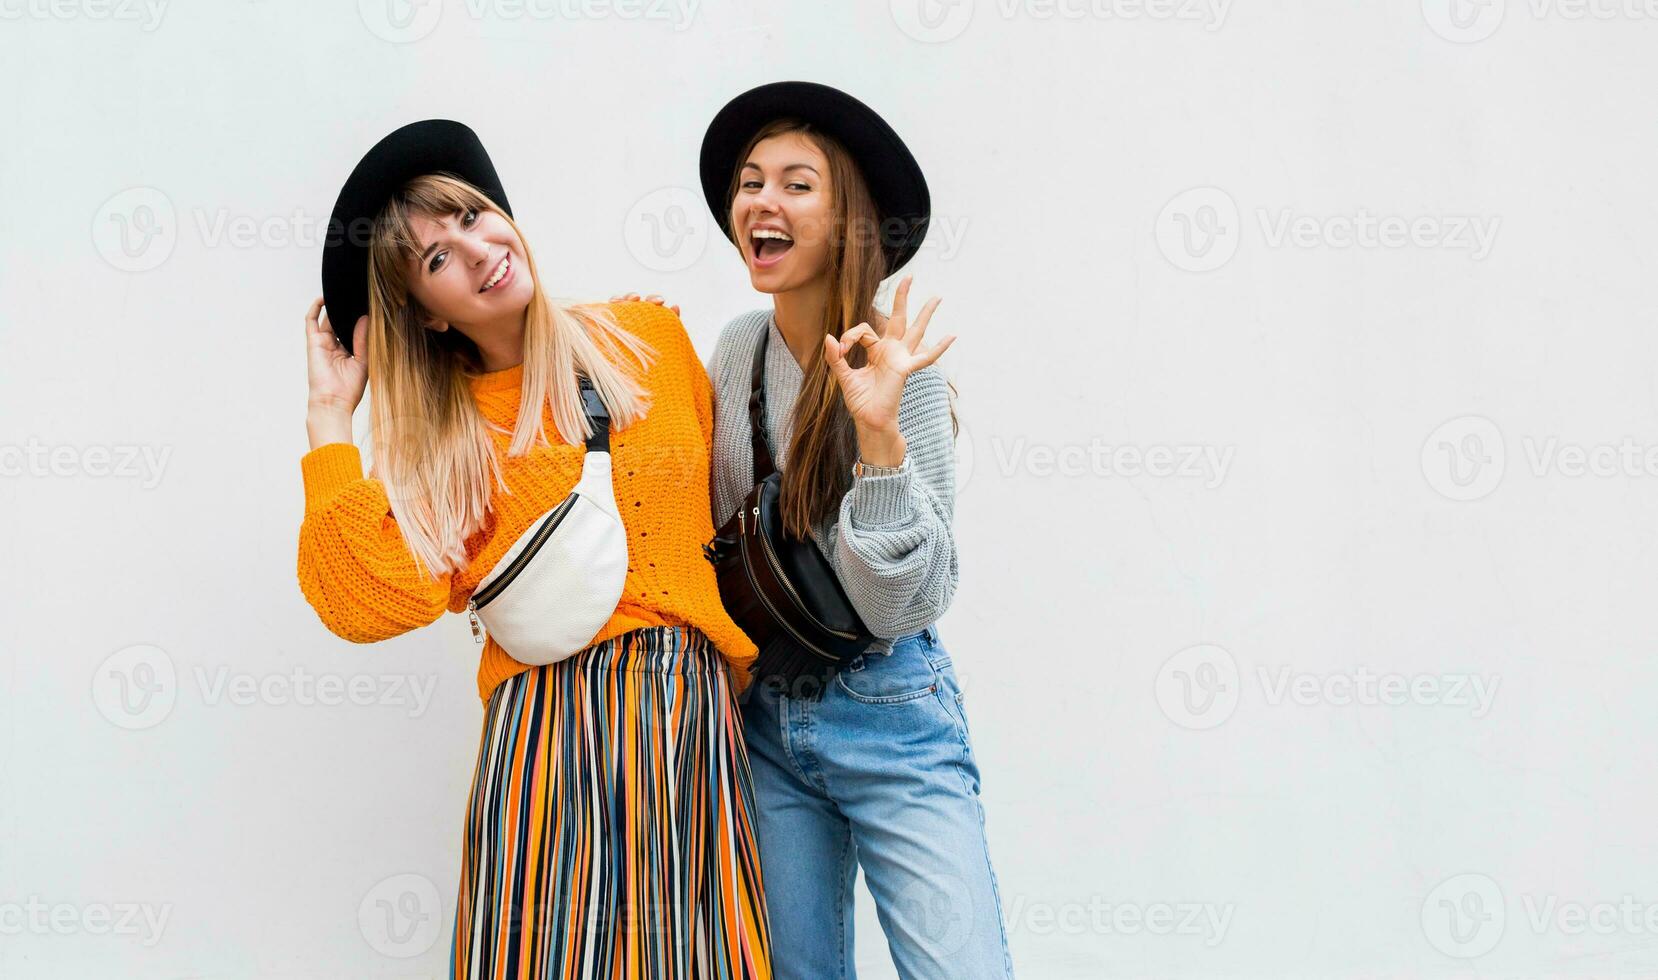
pixel 559 583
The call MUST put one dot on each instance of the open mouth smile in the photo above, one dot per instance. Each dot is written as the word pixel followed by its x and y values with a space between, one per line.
pixel 503 273
pixel 768 246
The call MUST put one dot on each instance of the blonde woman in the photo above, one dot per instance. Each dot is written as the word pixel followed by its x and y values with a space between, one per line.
pixel 609 829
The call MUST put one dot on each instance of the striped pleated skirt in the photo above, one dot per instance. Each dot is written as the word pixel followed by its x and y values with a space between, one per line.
pixel 610 829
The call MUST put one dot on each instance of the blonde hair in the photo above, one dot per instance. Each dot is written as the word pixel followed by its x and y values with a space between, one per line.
pixel 432 447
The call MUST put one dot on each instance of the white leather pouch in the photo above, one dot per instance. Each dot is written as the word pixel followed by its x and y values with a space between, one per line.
pixel 559 583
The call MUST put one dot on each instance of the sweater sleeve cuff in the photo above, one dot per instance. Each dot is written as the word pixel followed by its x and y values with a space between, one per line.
pixel 327 470
pixel 883 501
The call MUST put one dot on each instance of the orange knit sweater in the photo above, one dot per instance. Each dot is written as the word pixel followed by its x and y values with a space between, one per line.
pixel 362 580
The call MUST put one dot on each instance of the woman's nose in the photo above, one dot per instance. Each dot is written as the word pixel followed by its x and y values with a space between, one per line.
pixel 764 201
pixel 480 250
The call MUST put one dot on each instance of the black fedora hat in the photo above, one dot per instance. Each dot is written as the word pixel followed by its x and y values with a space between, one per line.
pixel 894 178
pixel 428 146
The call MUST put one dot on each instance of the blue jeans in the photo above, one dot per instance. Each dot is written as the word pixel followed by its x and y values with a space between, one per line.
pixel 879 773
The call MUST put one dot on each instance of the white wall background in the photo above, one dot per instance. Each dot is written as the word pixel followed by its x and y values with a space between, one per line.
pixel 1373 700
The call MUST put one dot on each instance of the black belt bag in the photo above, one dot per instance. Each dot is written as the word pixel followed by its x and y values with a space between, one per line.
pixel 780 589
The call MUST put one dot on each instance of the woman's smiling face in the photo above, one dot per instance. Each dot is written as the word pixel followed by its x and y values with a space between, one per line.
pixel 782 213
pixel 470 269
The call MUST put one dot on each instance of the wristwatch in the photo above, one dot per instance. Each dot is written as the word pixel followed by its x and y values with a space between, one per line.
pixel 861 468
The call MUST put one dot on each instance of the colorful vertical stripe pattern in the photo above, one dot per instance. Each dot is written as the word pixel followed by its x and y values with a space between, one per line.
pixel 610 830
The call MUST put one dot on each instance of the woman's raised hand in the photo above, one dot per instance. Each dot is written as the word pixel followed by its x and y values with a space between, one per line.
pixel 652 298
pixel 872 392
pixel 337 378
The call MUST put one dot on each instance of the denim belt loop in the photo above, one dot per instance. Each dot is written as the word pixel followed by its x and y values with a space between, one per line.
pixel 931 634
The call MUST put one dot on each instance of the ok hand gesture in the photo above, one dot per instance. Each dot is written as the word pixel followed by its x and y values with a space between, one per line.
pixel 872 392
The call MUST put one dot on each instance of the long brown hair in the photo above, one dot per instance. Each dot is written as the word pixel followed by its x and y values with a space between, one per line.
pixel 431 444
pixel 823 441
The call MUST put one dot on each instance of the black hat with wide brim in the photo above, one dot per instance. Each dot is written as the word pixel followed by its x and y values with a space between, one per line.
pixel 425 147
pixel 889 169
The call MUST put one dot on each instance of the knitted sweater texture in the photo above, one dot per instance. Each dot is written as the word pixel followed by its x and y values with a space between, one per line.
pixel 890 540
pixel 365 585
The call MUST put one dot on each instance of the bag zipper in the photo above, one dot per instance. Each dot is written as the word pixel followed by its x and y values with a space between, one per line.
pixel 484 596
pixel 777 569
pixel 748 569
pixel 772 610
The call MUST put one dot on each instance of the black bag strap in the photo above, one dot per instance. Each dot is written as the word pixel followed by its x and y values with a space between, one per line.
pixel 763 466
pixel 597 415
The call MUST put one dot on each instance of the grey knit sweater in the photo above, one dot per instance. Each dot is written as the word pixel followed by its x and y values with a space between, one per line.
pixel 891 543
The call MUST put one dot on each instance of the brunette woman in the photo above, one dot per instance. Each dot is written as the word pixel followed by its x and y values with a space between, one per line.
pixel 876 770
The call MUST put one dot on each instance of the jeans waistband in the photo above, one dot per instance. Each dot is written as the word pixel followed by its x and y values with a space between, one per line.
pixel 928 633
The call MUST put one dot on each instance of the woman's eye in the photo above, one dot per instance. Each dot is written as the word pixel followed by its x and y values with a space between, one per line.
pixel 469 217
pixel 749 185
pixel 437 260
pixel 798 186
